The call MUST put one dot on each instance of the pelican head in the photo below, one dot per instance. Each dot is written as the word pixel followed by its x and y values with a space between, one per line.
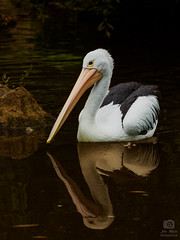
pixel 99 59
pixel 96 64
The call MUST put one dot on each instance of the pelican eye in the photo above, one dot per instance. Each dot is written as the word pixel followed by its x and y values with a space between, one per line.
pixel 91 63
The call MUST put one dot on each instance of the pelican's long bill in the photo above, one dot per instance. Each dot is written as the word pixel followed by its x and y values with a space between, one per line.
pixel 85 80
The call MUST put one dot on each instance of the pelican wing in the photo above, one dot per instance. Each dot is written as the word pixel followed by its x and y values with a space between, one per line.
pixel 138 104
pixel 140 110
pixel 119 93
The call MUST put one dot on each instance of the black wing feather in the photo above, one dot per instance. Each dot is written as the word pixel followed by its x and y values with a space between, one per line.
pixel 125 94
pixel 120 92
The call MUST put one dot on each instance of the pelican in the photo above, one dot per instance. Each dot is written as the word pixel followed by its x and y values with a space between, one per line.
pixel 125 112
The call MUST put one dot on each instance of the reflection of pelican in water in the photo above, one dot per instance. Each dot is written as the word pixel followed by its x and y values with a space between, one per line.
pixel 97 158
pixel 140 158
pixel 97 215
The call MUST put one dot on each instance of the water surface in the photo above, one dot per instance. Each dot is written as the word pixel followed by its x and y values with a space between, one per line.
pixel 67 190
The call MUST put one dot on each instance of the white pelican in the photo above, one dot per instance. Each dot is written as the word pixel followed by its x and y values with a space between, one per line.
pixel 126 112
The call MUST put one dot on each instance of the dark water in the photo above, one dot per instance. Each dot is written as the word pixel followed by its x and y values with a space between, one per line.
pixel 55 191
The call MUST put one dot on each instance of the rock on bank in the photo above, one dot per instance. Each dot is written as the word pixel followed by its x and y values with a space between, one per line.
pixel 18 109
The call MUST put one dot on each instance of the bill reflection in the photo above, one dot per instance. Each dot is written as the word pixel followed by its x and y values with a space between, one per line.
pixel 98 159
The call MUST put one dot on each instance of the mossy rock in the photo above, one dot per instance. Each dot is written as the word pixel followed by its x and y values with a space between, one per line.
pixel 19 109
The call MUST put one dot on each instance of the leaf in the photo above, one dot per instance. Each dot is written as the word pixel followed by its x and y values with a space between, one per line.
pixel 101 26
pixel 108 34
pixel 110 26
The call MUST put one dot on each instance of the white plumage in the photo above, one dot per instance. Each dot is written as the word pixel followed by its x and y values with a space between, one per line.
pixel 126 112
